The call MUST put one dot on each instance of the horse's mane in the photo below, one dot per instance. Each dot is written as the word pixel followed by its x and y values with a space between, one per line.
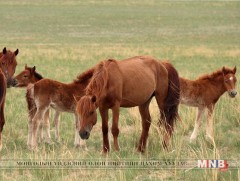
pixel 84 76
pixel 38 76
pixel 99 79
pixel 215 74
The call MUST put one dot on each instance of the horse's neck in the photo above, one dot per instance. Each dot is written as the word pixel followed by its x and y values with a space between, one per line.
pixel 35 80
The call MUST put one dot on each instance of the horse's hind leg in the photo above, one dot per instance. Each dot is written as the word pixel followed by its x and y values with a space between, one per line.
pixel 194 134
pixel 146 122
pixel 57 121
pixel 46 123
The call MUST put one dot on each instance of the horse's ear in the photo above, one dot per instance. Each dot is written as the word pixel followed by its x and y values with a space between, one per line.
pixel 235 70
pixel 26 66
pixel 16 52
pixel 33 69
pixel 93 99
pixel 4 50
pixel 224 71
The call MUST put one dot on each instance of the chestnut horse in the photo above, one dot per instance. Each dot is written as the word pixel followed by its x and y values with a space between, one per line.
pixel 8 65
pixel 25 78
pixel 204 93
pixel 128 83
pixel 62 97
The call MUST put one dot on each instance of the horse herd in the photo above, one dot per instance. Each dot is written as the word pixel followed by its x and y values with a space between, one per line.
pixel 113 84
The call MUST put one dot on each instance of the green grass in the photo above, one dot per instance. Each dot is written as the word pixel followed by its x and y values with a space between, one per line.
pixel 64 38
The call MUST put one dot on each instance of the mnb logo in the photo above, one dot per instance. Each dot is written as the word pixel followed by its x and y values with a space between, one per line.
pixel 221 164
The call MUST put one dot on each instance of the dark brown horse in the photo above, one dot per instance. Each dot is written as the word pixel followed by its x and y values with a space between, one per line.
pixel 8 65
pixel 128 83
pixel 61 97
pixel 204 93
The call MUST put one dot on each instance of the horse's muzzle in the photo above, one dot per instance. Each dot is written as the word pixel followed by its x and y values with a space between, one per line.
pixel 84 134
pixel 11 83
pixel 232 93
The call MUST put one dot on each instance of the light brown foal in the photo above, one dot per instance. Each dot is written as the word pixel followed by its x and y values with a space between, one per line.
pixel 25 78
pixel 62 97
pixel 204 93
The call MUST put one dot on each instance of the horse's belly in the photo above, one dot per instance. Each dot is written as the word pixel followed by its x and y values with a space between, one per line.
pixel 191 102
pixel 136 97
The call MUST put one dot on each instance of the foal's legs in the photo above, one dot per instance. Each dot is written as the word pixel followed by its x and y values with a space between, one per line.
pixel 57 120
pixel 209 129
pixel 35 125
pixel 46 125
pixel 115 129
pixel 146 122
pixel 199 115
pixel 2 122
pixel 104 115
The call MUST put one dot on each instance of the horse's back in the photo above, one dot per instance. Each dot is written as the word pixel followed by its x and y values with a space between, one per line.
pixel 139 79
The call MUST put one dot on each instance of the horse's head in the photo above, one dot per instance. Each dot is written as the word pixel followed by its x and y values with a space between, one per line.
pixel 230 81
pixel 86 110
pixel 8 64
pixel 25 77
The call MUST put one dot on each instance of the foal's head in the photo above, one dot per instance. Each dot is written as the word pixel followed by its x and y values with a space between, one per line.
pixel 230 80
pixel 27 76
pixel 8 64
pixel 86 110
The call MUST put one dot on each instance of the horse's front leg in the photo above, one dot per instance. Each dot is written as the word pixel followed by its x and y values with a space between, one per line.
pixel 104 115
pixel 209 128
pixel 57 121
pixel 115 129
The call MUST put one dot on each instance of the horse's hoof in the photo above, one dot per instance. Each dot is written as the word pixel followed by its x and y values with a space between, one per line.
pixel 1 147
pixel 140 149
pixel 192 140
pixel 58 140
pixel 48 141
pixel 209 138
pixel 32 147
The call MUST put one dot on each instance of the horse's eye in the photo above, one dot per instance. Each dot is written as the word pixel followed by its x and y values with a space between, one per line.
pixel 91 113
pixel 25 76
pixel 3 63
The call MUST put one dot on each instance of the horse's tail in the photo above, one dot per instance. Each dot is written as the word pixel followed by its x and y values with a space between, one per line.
pixel 32 108
pixel 99 79
pixel 172 100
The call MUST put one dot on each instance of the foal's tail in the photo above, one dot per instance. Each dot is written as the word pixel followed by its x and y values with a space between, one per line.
pixel 173 98
pixel 30 101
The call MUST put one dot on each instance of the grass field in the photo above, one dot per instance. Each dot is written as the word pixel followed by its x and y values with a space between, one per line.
pixel 63 38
